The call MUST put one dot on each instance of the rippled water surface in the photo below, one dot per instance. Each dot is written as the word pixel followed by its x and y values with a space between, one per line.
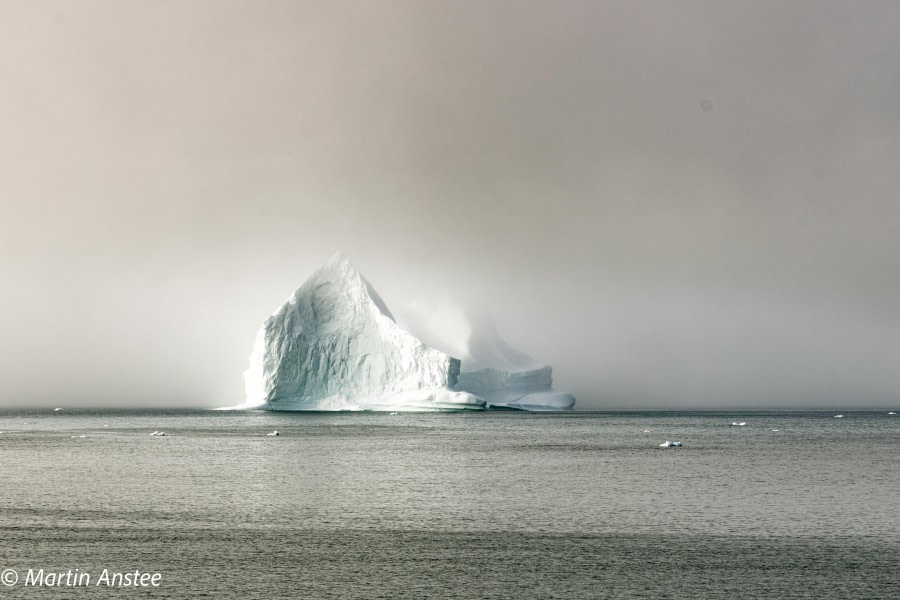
pixel 500 505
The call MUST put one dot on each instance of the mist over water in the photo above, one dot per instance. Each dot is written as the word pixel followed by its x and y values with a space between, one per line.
pixel 684 205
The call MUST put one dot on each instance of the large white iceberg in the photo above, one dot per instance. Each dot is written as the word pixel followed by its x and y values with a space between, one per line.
pixel 490 368
pixel 334 345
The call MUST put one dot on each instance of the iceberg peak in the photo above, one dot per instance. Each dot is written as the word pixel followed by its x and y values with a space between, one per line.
pixel 339 280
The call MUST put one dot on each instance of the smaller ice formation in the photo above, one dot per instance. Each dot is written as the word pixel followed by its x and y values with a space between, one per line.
pixel 274 434
pixel 489 367
pixel 668 444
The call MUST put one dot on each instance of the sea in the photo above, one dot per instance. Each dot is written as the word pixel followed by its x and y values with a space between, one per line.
pixel 449 505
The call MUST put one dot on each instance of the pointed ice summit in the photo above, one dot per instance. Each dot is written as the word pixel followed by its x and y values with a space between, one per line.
pixel 490 368
pixel 334 345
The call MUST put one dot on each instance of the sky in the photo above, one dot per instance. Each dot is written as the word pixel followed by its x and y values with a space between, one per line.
pixel 676 204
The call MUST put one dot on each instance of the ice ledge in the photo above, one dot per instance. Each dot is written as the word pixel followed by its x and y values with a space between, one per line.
pixel 533 402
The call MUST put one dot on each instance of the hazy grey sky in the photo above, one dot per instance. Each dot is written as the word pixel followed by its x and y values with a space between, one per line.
pixel 673 203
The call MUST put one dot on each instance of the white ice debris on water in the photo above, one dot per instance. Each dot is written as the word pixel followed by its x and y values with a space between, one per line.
pixel 668 444
pixel 334 345
pixel 490 368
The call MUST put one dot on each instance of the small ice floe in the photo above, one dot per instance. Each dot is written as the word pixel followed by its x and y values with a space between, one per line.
pixel 274 433
pixel 78 436
pixel 395 413
pixel 775 430
pixel 741 424
pixel 838 416
pixel 892 413
pixel 57 409
pixel 668 444
pixel 646 431
pixel 158 433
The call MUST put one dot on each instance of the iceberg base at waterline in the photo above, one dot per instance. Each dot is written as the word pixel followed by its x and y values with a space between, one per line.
pixel 424 400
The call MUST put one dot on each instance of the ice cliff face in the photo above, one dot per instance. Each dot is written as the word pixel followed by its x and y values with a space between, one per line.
pixel 334 345
pixel 490 368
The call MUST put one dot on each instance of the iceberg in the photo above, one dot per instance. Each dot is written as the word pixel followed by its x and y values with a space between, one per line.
pixel 334 345
pixel 489 367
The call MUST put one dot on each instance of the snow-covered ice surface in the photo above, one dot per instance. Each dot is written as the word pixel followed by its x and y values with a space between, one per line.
pixel 334 345
pixel 490 368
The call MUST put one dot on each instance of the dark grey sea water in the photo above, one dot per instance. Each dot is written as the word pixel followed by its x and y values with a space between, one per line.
pixel 492 505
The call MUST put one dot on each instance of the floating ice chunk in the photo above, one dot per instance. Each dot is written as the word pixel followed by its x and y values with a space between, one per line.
pixel 838 416
pixel 274 433
pixel 668 444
